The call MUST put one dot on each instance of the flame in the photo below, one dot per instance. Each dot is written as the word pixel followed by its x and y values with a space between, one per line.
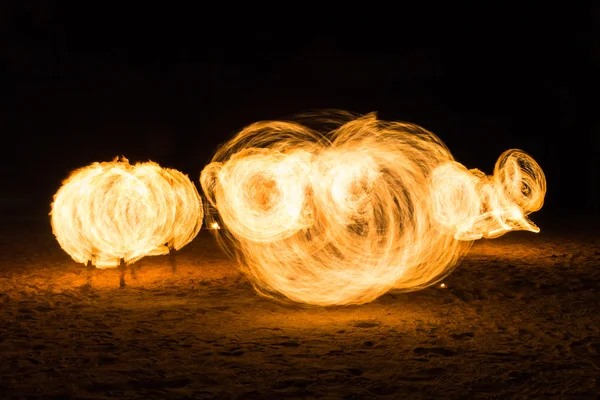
pixel 110 211
pixel 472 206
pixel 339 209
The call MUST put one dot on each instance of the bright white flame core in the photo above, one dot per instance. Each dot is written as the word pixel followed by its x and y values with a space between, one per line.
pixel 110 211
pixel 344 212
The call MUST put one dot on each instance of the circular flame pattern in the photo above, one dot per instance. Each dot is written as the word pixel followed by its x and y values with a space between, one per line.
pixel 110 211
pixel 338 209
pixel 471 205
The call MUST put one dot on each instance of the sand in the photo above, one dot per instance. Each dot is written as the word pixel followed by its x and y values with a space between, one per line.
pixel 518 319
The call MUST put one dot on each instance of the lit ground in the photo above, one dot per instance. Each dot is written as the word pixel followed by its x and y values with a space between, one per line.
pixel 519 319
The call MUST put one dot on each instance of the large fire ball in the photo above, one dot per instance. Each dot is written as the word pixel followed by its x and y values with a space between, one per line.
pixel 112 211
pixel 339 209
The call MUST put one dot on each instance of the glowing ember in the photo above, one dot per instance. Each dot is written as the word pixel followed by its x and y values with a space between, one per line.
pixel 351 207
pixel 110 211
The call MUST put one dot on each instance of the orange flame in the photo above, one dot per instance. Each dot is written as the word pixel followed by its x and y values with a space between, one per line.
pixel 344 211
pixel 472 206
pixel 110 211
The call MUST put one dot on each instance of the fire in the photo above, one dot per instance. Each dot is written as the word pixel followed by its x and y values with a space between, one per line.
pixel 472 206
pixel 110 211
pixel 339 209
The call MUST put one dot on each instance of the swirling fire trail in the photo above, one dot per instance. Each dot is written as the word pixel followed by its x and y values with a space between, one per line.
pixel 110 211
pixel 339 209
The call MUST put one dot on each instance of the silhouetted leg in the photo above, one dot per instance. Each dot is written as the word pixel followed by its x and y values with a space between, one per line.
pixel 122 268
pixel 89 270
pixel 173 260
pixel 132 269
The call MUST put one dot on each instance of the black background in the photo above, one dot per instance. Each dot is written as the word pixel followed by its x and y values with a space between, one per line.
pixel 84 84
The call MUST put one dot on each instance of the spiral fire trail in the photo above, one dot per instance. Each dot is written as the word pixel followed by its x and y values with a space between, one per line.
pixel 110 211
pixel 339 209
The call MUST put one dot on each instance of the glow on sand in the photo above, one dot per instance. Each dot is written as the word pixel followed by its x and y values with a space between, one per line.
pixel 110 211
pixel 339 209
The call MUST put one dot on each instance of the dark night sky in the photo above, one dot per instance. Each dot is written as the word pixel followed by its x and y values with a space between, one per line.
pixel 85 84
